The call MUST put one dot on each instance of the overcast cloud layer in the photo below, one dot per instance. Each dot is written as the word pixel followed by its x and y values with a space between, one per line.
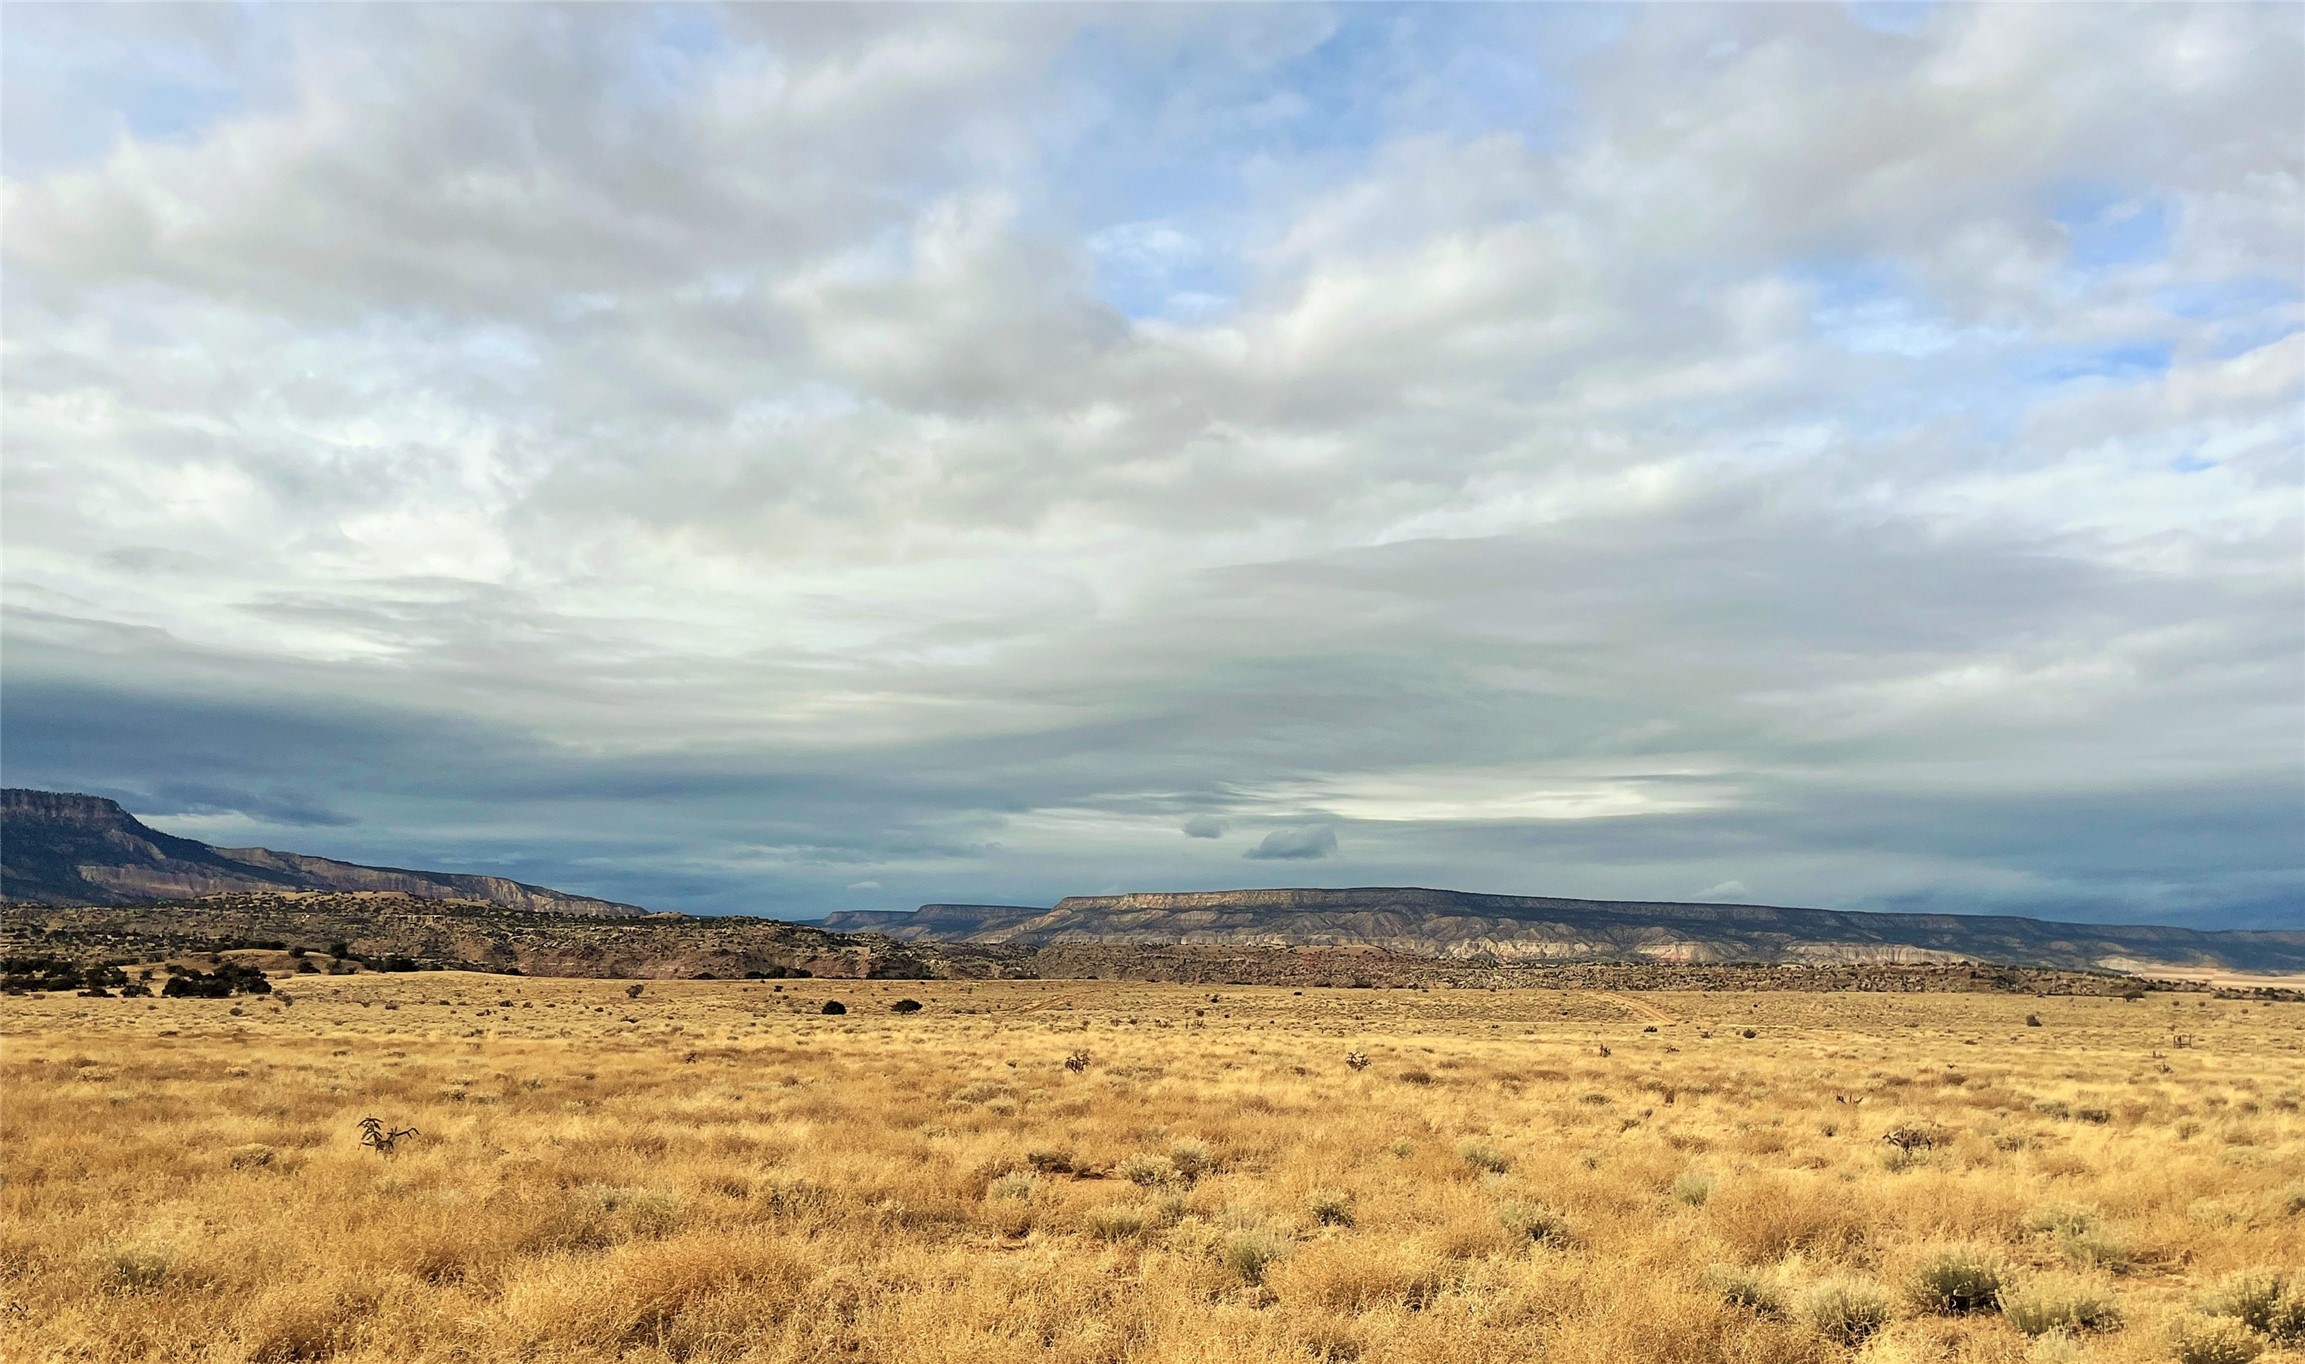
pixel 788 459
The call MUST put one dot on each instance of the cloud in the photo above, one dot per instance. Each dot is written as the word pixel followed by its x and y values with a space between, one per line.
pixel 864 885
pixel 1204 826
pixel 1293 845
pixel 1726 890
pixel 711 462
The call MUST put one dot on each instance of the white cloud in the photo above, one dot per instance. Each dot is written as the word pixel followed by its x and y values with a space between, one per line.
pixel 1295 845
pixel 1745 428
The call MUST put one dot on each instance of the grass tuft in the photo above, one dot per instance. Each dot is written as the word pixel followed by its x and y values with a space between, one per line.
pixel 1846 1311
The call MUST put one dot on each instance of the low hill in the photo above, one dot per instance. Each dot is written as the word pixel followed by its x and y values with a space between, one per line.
pixel 1522 928
pixel 305 933
pixel 62 849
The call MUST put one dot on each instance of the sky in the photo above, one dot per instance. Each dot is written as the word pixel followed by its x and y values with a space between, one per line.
pixel 790 459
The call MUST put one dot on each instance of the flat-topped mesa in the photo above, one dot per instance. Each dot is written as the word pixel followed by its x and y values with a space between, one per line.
pixel 1461 925
pixel 948 922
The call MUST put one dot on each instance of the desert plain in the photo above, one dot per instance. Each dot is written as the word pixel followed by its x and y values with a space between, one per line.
pixel 1099 1171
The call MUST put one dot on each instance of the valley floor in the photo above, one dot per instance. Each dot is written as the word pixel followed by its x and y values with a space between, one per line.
pixel 720 1171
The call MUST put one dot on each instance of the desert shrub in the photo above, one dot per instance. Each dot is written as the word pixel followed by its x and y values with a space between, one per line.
pixel 1751 1289
pixel 1117 1221
pixel 2062 1219
pixel 136 1269
pixel 1248 1254
pixel 2293 1200
pixel 1486 1159
pixel 1913 1136
pixel 905 1006
pixel 2263 1301
pixel 253 1156
pixel 2195 1339
pixel 1332 1208
pixel 1050 1160
pixel 2214 1212
pixel 1191 1159
pixel 2060 1305
pixel 1846 1311
pixel 1535 1222
pixel 1416 1077
pixel 1145 1172
pixel 833 1006
pixel 1957 1280
pixel 1692 1187
pixel 1018 1187
pixel 231 978
pixel 2094 1249
pixel 20 975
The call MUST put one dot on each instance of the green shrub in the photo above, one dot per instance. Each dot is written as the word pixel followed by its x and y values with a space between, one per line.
pixel 1248 1254
pixel 2263 1301
pixel 1190 1159
pixel 1847 1311
pixel 2065 1305
pixel 2094 1250
pixel 1146 1172
pixel 1693 1187
pixel 1487 1159
pixel 136 1269
pixel 1958 1280
pixel 2213 1340
pixel 1751 1289
pixel 1332 1208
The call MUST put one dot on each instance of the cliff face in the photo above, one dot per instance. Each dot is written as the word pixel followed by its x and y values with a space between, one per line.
pixel 62 849
pixel 1516 928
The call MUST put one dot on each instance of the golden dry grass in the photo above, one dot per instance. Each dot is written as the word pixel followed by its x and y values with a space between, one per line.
pixel 713 1171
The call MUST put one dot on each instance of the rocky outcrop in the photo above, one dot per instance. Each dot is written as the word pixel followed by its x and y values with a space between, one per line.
pixel 58 848
pixel 1534 929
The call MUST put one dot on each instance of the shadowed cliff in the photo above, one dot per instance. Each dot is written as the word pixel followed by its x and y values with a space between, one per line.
pixel 62 849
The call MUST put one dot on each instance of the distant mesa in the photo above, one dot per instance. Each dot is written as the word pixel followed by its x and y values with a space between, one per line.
pixel 62 849
pixel 945 923
pixel 1536 929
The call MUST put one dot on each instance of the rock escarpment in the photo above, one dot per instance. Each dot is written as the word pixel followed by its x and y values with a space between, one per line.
pixel 57 848
pixel 1523 928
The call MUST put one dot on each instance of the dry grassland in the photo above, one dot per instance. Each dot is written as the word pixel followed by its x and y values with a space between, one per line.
pixel 714 1171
